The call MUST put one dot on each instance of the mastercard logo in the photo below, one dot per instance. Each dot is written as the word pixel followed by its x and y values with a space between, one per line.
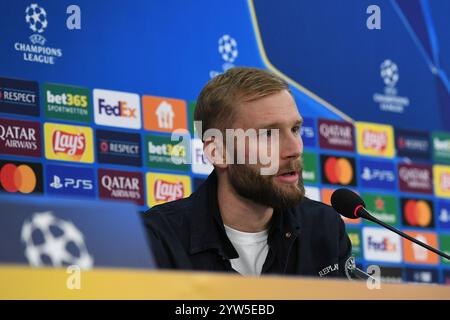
pixel 19 178
pixel 338 170
pixel 417 213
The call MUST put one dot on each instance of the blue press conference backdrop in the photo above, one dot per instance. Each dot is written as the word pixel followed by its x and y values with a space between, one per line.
pixel 90 92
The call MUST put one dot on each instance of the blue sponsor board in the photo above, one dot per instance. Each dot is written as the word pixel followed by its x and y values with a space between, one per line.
pixel 19 97
pixel 377 174
pixel 119 148
pixel 413 144
pixel 422 275
pixel 391 274
pixel 444 214
pixel 308 132
pixel 45 232
pixel 70 181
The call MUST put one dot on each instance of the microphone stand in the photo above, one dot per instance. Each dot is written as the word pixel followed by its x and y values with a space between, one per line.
pixel 365 214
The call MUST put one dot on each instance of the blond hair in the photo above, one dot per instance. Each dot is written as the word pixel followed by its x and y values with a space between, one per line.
pixel 216 103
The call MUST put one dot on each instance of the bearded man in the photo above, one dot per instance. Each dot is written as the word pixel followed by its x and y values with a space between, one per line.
pixel 249 216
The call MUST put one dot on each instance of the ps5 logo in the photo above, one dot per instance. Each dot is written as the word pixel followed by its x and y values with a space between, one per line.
pixel 376 174
pixel 71 183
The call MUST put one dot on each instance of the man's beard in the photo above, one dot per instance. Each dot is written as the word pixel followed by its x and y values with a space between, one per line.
pixel 249 183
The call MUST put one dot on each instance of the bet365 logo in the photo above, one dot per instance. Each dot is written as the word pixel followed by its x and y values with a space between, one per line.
pixel 67 99
pixel 67 102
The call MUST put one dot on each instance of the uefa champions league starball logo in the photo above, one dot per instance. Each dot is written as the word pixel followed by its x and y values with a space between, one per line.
pixel 36 17
pixel 390 100
pixel 389 73
pixel 53 241
pixel 228 48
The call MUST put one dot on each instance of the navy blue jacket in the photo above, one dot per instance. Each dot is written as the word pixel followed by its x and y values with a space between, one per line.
pixel 188 234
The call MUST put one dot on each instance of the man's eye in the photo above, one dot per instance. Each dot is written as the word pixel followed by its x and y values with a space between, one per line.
pixel 296 129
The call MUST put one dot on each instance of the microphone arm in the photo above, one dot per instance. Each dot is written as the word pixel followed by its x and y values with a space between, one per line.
pixel 365 214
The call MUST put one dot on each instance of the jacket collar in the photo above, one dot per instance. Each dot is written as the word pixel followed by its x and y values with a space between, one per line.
pixel 206 224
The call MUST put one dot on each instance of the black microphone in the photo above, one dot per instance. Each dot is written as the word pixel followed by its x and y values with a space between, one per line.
pixel 351 206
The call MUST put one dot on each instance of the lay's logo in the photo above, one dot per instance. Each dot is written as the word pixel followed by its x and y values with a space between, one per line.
pixel 168 191
pixel 71 144
pixel 162 188
pixel 445 181
pixel 441 180
pixel 375 139
pixel 68 143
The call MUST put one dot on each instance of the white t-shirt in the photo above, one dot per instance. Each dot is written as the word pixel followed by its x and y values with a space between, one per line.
pixel 252 249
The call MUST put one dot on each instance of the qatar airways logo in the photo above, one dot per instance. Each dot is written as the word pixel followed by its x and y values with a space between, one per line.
pixel 415 175
pixel 415 178
pixel 168 191
pixel 121 185
pixel 336 135
pixel 335 131
pixel 375 140
pixel 69 143
pixel 20 138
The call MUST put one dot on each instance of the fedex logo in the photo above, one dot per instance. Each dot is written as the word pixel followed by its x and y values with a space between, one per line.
pixel 381 245
pixel 200 163
pixel 117 109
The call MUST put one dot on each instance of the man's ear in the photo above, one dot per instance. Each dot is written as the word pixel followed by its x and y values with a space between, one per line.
pixel 215 152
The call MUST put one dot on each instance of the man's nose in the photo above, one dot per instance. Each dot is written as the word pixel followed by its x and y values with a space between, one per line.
pixel 291 147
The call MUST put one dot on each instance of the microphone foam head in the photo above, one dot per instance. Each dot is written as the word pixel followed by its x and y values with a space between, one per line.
pixel 345 202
